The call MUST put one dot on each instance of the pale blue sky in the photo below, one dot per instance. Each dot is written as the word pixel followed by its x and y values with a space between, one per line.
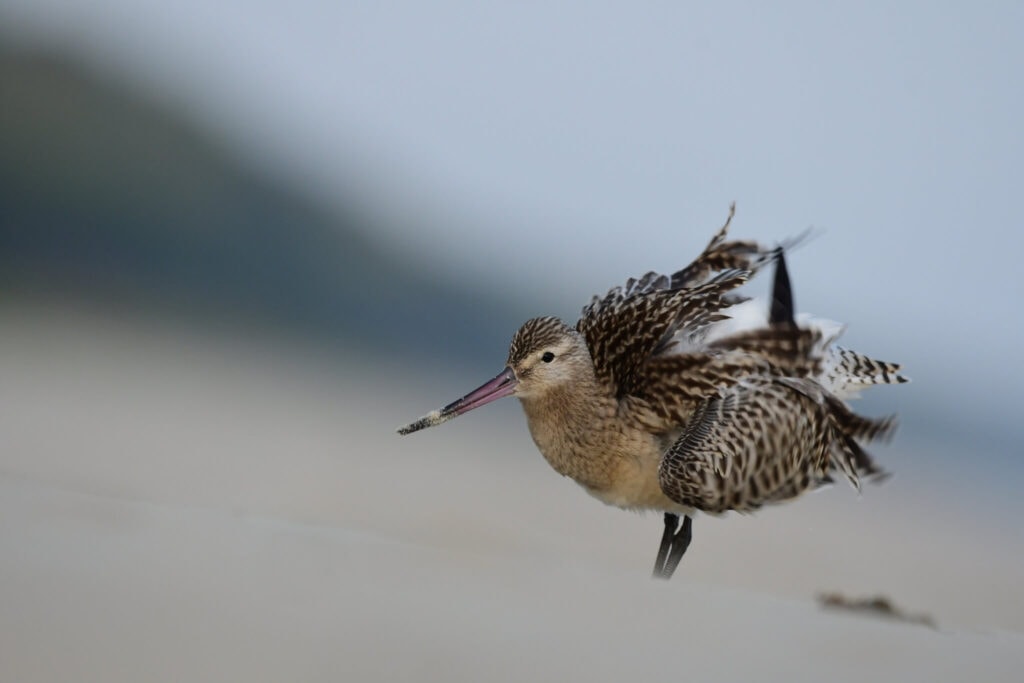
pixel 556 148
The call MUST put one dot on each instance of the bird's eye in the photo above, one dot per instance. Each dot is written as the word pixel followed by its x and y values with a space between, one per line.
pixel 547 357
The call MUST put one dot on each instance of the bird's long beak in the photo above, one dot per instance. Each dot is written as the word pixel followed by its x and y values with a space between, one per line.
pixel 502 385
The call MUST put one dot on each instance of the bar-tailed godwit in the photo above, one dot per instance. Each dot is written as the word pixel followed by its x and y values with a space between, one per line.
pixel 658 400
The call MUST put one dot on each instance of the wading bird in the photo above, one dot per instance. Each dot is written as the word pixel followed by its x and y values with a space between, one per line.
pixel 659 399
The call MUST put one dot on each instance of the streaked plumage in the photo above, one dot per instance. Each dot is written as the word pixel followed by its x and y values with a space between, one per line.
pixel 656 399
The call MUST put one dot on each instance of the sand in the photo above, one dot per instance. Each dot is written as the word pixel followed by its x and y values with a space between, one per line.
pixel 175 506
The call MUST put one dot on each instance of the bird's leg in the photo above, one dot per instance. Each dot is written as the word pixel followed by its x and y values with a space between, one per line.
pixel 680 542
pixel 671 524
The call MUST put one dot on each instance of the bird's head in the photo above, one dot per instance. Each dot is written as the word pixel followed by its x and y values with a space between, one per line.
pixel 545 354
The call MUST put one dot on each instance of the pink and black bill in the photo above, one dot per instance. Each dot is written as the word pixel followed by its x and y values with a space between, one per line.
pixel 499 387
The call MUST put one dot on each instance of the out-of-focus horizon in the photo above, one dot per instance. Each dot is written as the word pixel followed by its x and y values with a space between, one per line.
pixel 421 180
pixel 242 242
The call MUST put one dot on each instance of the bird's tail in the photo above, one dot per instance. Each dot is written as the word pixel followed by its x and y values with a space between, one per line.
pixel 850 429
pixel 845 372
pixel 840 373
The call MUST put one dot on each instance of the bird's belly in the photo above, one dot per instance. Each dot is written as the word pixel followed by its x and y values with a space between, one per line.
pixel 636 488
pixel 617 466
pixel 620 471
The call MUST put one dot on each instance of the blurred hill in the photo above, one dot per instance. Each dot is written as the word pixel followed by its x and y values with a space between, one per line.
pixel 115 198
pixel 106 197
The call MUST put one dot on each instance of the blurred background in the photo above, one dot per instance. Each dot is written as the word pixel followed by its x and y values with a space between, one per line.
pixel 241 242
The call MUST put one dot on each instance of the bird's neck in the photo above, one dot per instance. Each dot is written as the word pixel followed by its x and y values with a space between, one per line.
pixel 564 421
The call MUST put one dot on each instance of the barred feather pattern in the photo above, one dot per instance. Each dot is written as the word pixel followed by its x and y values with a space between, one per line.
pixel 644 317
pixel 722 461
pixel 759 413
pixel 845 372
pixel 671 384
pixel 770 426
pixel 657 399
pixel 762 441
pixel 663 396
pixel 720 255
pixel 622 334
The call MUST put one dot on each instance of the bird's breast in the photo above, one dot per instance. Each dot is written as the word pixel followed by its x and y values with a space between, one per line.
pixel 615 464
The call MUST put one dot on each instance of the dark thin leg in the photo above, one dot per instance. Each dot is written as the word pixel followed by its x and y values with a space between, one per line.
pixel 680 542
pixel 671 524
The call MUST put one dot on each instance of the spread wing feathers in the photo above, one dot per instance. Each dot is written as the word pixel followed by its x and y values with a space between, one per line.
pixel 671 385
pixel 721 255
pixel 622 334
pixel 789 351
pixel 736 254
pixel 634 321
pixel 765 440
pixel 718 256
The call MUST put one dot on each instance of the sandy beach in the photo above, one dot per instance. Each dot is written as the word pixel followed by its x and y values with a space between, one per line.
pixel 176 506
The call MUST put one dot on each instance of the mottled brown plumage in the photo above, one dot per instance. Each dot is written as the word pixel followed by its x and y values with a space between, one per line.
pixel 654 400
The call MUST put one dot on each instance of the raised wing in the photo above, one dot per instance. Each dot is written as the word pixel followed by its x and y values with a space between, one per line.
pixel 622 336
pixel 638 320
pixel 766 440
pixel 671 385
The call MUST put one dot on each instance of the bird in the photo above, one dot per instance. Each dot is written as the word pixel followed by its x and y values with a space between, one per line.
pixel 672 393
